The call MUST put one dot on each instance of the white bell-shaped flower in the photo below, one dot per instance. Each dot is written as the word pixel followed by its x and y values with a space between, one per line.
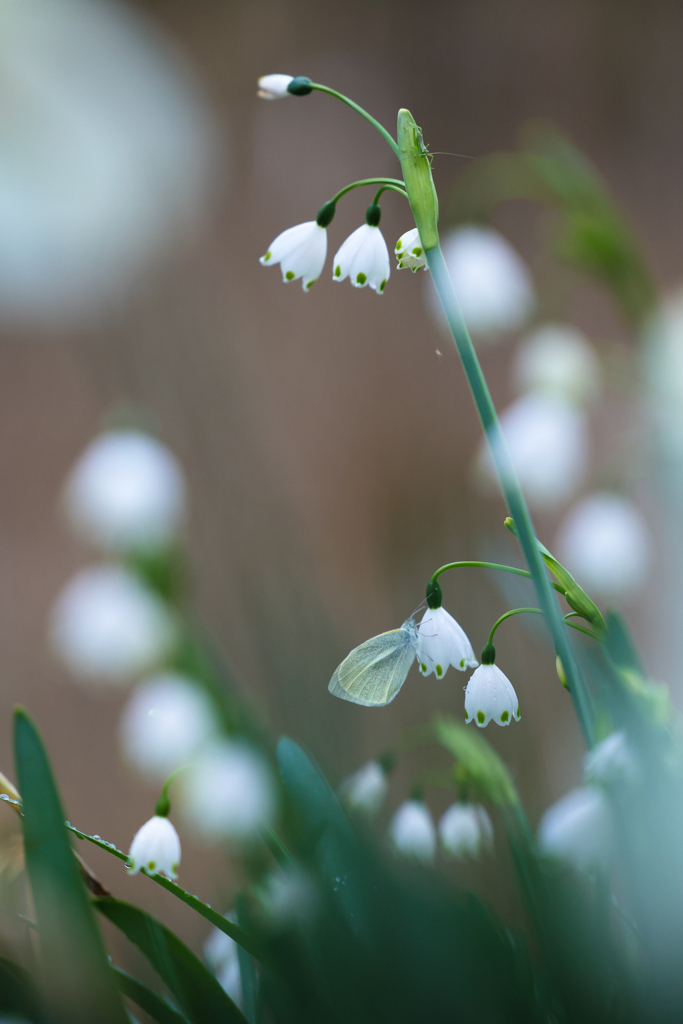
pixel 578 829
pixel 365 790
pixel 289 897
pixel 490 696
pixel 228 792
pixel 605 543
pixel 442 642
pixel 412 832
pixel 166 721
pixel 364 257
pixel 274 87
pixel 106 626
pixel 611 761
pixel 465 830
pixel 409 251
pixel 301 253
pixel 156 848
pixel 548 440
pixel 126 492
pixel 558 359
pixel 222 958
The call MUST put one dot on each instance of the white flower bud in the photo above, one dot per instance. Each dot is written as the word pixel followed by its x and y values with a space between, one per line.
pixel 465 830
pixel 166 721
pixel 558 359
pixel 578 829
pixel 365 790
pixel 106 626
pixel 229 792
pixel 412 832
pixel 605 543
pixel 273 87
pixel 156 848
pixel 126 492
pixel 611 761
pixel 409 251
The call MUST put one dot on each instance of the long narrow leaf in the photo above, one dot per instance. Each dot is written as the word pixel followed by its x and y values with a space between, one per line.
pixel 199 995
pixel 78 982
pixel 157 1008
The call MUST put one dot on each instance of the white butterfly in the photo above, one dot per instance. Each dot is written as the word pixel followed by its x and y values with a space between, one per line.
pixel 373 673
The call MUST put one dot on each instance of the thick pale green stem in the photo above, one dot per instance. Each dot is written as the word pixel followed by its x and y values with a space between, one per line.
pixel 510 486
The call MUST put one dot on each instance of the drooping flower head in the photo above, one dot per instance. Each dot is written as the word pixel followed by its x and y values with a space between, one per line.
pixel 156 848
pixel 489 694
pixel 412 832
pixel 578 829
pixel 409 251
pixel 443 642
pixel 365 790
pixel 465 830
pixel 364 257
pixel 301 253
pixel 274 87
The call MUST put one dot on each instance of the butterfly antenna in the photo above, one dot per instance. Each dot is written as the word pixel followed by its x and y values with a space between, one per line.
pixel 419 608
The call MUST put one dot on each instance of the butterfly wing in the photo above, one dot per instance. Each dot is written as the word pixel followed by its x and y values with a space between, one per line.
pixel 373 673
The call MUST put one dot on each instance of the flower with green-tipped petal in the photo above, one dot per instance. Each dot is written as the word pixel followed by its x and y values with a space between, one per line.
pixel 301 253
pixel 409 252
pixel 156 848
pixel 489 694
pixel 364 257
pixel 442 642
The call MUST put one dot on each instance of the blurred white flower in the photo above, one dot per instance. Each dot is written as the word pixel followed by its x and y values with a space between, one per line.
pixel 412 832
pixel 605 542
pixel 222 958
pixel 409 251
pixel 126 492
pixel 289 897
pixel 559 359
pixel 611 761
pixel 107 626
pixel 491 280
pixel 166 721
pixel 663 359
pixel 107 158
pixel 465 830
pixel 443 642
pixel 489 695
pixel 156 848
pixel 228 792
pixel 274 87
pixel 364 259
pixel 365 790
pixel 578 829
pixel 300 251
pixel 548 440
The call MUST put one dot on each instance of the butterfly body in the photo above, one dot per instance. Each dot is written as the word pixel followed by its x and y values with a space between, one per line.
pixel 373 673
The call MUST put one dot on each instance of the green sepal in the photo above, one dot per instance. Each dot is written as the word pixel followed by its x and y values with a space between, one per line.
pixel 577 599
pixel 373 215
pixel 434 594
pixel 417 174
pixel 163 806
pixel 300 86
pixel 488 655
pixel 326 214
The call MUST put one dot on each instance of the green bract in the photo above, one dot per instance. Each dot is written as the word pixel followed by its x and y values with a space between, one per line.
pixel 417 174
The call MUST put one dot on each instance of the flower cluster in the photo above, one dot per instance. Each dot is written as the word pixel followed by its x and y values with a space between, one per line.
pixel 464 831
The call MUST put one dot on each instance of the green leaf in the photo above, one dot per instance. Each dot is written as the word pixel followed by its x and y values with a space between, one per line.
pixel 157 1008
pixel 18 995
pixel 477 760
pixel 199 995
pixel 78 983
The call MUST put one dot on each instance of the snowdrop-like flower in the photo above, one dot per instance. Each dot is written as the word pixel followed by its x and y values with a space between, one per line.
pixel 126 492
pixel 365 790
pixel 107 626
pixel 412 832
pixel 166 721
pixel 465 830
pixel 156 848
pixel 364 257
pixel 229 792
pixel 549 443
pixel 289 897
pixel 301 253
pixel 578 829
pixel 557 358
pixel 492 283
pixel 274 87
pixel 443 642
pixel 490 696
pixel 409 251
pixel 605 542
pixel 222 958
pixel 611 761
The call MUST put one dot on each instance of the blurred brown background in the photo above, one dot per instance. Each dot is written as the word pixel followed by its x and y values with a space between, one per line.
pixel 326 443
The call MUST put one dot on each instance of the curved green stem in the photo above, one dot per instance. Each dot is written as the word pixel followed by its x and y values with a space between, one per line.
pixel 359 110
pixel 388 188
pixel 537 611
pixel 384 182
pixel 511 488
pixel 492 565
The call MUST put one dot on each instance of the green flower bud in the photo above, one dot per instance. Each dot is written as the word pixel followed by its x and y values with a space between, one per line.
pixel 417 174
